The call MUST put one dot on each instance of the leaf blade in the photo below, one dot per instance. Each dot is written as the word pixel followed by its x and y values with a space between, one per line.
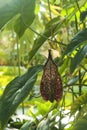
pixel 26 18
pixel 79 101
pixel 78 39
pixel 81 123
pixel 24 8
pixel 15 93
pixel 78 58
pixel 52 25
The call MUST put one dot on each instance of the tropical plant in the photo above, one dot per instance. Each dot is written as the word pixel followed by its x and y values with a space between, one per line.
pixel 37 26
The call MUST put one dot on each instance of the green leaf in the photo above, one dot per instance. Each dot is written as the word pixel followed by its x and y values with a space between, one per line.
pixel 43 108
pixel 24 8
pixel 74 79
pixel 78 58
pixel 46 125
pixel 15 92
pixel 43 125
pixel 53 21
pixel 27 126
pixel 78 39
pixel 39 42
pixel 63 66
pixel 26 18
pixel 81 124
pixel 8 9
pixel 83 15
pixel 79 101
pixel 53 26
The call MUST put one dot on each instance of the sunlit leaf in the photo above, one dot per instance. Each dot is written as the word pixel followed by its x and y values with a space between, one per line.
pixel 78 58
pixel 43 108
pixel 15 92
pixel 63 66
pixel 44 124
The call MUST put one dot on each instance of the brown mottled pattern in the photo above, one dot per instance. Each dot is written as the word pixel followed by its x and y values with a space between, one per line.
pixel 51 84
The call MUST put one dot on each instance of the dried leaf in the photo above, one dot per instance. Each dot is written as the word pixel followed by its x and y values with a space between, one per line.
pixel 51 84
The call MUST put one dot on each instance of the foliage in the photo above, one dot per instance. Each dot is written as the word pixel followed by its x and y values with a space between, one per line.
pixel 28 29
pixel 78 103
pixel 10 9
pixel 15 93
pixel 81 123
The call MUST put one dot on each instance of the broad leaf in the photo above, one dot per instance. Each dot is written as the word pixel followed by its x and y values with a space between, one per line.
pixel 78 39
pixel 26 18
pixel 78 58
pixel 15 92
pixel 8 9
pixel 24 8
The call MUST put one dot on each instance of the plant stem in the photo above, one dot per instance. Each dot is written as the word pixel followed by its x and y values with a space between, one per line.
pixel 76 23
pixel 49 9
pixel 19 65
pixel 72 94
pixel 18 55
pixel 80 86
pixel 51 30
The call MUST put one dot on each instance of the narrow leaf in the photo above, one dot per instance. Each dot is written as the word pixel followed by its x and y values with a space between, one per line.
pixel 15 92
pixel 27 126
pixel 83 15
pixel 78 39
pixel 74 79
pixel 78 58
pixel 40 41
pixel 79 101
pixel 53 26
pixel 43 125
